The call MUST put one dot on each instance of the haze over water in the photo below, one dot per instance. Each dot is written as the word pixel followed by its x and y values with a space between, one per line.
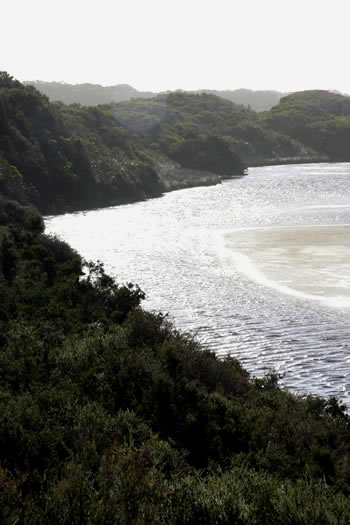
pixel 256 267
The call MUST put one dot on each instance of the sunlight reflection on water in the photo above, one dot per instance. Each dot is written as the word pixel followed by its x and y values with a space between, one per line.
pixel 175 248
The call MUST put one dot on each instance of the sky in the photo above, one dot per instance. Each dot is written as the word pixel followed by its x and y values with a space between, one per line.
pixel 159 45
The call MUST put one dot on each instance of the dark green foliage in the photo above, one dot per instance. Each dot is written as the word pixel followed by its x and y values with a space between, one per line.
pixel 184 125
pixel 66 158
pixel 210 153
pixel 109 415
pixel 22 218
pixel 59 157
pixel 302 127
pixel 319 119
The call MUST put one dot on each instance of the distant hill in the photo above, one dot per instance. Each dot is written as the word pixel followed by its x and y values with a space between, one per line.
pixel 88 94
pixel 258 100
pixel 94 94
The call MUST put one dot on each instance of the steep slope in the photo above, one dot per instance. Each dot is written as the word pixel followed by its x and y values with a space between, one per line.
pixel 304 127
pixel 180 117
pixel 318 119
pixel 66 159
pixel 309 125
pixel 109 415
pixel 62 157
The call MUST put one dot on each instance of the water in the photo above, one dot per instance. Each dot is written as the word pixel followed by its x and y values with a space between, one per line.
pixel 256 267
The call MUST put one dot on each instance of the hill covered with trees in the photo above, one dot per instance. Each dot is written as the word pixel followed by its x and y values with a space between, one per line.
pixel 303 127
pixel 257 100
pixel 87 94
pixel 318 119
pixel 109 415
pixel 69 159
pixel 95 94
pixel 176 120
pixel 61 157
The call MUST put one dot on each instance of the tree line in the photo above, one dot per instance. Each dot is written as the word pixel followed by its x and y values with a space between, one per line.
pixel 61 157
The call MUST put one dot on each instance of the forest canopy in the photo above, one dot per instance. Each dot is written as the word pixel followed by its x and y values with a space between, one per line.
pixel 61 157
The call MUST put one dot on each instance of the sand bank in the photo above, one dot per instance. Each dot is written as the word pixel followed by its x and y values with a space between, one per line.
pixel 312 262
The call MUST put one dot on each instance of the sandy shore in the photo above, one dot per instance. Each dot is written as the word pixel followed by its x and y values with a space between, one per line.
pixel 310 262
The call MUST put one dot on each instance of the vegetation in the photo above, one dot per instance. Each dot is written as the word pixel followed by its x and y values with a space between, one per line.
pixel 62 159
pixel 258 100
pixel 59 157
pixel 311 123
pixel 170 121
pixel 319 119
pixel 94 94
pixel 306 126
pixel 87 94
pixel 109 415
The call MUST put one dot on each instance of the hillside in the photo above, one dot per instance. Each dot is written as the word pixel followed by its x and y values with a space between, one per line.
pixel 87 94
pixel 169 119
pixel 304 127
pixel 318 119
pixel 257 100
pixel 109 415
pixel 62 157
pixel 44 161
pixel 95 94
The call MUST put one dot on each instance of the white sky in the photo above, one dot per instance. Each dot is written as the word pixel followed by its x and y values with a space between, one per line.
pixel 179 44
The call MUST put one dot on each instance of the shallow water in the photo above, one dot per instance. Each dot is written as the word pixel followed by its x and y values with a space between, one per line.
pixel 310 262
pixel 256 267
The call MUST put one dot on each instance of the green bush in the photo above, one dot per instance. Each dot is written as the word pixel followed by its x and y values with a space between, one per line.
pixel 110 415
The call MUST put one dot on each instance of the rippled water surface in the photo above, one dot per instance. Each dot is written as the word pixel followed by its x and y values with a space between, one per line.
pixel 257 267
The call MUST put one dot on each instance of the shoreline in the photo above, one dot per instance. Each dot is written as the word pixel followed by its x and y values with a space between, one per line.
pixel 204 179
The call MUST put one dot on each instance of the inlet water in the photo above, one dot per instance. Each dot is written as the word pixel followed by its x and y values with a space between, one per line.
pixel 256 267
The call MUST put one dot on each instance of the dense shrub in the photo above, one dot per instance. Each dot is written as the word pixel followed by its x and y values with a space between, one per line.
pixel 109 415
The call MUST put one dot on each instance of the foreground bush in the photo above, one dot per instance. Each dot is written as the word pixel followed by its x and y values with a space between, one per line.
pixel 109 415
